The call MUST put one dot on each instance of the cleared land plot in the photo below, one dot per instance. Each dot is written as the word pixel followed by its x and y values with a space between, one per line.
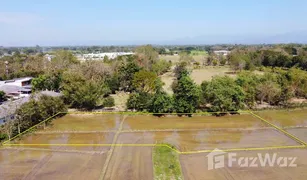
pixel 70 139
pixel 86 122
pixel 195 167
pixel 149 122
pixel 206 74
pixel 130 163
pixel 198 75
pixel 209 139
pixel 27 164
pixel 284 118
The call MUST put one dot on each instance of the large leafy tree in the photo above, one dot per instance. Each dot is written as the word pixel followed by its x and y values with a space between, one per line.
pixel 186 95
pixel 223 95
pixel 126 74
pixel 248 81
pixel 146 56
pixel 144 81
pixel 35 111
pixel 82 93
pixel 47 82
pixel 139 101
pixel 63 59
pixel 161 66
pixel 161 102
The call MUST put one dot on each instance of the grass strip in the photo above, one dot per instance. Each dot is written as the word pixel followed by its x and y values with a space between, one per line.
pixel 166 163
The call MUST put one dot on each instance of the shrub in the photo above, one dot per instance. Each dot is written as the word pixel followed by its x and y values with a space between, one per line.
pixel 108 102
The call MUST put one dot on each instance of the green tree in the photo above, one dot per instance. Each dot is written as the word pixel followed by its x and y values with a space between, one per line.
pixel 248 81
pixel 35 111
pixel 161 102
pixel 269 91
pixel 144 81
pixel 238 61
pixel 126 74
pixel 223 95
pixel 108 102
pixel 147 56
pixel 139 101
pixel 113 82
pixel 81 93
pixel 2 96
pixel 186 95
pixel 161 66
pixel 62 60
pixel 47 82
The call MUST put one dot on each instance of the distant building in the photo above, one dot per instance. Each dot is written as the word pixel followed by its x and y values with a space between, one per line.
pixel 101 56
pixel 8 108
pixel 49 57
pixel 222 52
pixel 17 88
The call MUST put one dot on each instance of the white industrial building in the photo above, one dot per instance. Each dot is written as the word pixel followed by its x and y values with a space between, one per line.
pixel 222 52
pixel 101 56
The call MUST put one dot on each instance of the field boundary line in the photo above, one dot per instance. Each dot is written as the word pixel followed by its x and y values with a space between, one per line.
pixel 165 145
pixel 281 130
pixel 55 150
pixel 74 132
pixel 199 129
pixel 244 149
pixel 106 164
pixel 148 113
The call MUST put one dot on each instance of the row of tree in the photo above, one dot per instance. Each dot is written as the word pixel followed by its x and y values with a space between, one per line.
pixel 32 113
pixel 223 93
pixel 249 60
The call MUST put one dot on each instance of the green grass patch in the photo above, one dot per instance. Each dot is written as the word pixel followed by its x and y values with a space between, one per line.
pixel 166 164
pixel 195 53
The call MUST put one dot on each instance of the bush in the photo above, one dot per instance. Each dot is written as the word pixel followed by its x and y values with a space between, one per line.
pixel 161 103
pixel 223 94
pixel 108 102
pixel 3 137
pixel 139 101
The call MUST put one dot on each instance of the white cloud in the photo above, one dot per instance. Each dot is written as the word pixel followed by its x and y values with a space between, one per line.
pixel 16 18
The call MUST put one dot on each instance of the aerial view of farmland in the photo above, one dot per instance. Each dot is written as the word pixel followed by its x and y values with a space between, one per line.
pixel 140 146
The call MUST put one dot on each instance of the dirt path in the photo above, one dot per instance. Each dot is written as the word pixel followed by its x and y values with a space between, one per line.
pixel 106 164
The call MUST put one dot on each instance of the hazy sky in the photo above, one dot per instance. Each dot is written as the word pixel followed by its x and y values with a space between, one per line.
pixel 73 22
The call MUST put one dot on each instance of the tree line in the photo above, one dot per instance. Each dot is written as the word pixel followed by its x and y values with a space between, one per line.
pixel 89 84
pixel 32 113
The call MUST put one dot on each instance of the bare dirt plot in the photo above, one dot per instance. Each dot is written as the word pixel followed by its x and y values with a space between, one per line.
pixel 86 122
pixel 26 164
pixel 173 58
pixel 198 75
pixel 130 163
pixel 285 118
pixel 145 122
pixel 68 139
pixel 206 74
pixel 209 139
pixel 195 167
